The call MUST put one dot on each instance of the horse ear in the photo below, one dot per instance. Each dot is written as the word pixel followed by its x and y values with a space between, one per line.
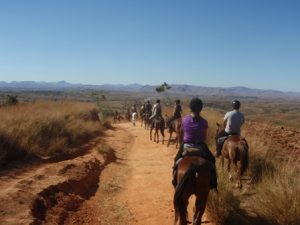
pixel 218 124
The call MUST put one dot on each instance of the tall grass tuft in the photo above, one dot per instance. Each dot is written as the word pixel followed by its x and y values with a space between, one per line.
pixel 224 207
pixel 46 128
pixel 277 197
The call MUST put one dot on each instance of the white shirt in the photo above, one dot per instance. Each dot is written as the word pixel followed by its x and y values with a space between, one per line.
pixel 234 120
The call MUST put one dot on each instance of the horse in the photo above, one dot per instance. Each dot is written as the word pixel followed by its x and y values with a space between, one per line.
pixel 147 121
pixel 142 115
pixel 133 118
pixel 118 118
pixel 175 126
pixel 235 148
pixel 158 124
pixel 193 176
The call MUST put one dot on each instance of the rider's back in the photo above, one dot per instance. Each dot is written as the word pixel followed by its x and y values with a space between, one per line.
pixel 235 120
pixel 193 130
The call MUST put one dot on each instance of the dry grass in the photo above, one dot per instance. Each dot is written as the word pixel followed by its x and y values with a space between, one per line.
pixel 46 128
pixel 277 197
pixel 225 207
pixel 276 184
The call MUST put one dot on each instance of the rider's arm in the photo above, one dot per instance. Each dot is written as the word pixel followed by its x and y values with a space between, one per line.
pixel 224 123
pixel 153 113
pixel 225 119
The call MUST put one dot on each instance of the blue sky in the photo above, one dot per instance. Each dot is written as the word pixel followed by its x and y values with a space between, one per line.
pixel 211 43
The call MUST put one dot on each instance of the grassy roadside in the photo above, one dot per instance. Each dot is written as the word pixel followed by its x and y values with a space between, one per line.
pixel 275 197
pixel 46 128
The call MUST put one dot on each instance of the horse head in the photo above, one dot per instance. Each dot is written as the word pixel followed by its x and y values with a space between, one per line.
pixel 220 131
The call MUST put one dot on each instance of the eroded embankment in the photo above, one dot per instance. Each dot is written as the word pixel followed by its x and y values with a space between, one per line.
pixel 46 193
pixel 53 204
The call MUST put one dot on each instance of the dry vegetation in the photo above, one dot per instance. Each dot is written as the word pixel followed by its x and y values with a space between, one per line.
pixel 271 195
pixel 46 129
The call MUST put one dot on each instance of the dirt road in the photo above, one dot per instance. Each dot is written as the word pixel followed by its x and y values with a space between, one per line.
pixel 134 188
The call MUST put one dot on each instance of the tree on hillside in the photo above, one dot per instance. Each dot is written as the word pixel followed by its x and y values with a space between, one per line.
pixel 99 98
pixel 11 100
pixel 163 89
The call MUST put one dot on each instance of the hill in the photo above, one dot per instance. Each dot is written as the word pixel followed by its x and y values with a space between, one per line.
pixel 177 89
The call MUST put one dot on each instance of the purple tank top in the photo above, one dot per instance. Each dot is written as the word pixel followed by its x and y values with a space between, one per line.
pixel 193 131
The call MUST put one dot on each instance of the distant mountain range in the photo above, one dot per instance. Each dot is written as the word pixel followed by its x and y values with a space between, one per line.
pixel 176 89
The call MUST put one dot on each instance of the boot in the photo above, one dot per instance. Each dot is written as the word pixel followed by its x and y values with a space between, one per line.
pixel 213 180
pixel 218 150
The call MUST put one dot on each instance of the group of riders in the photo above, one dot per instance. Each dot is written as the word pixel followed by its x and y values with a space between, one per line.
pixel 194 131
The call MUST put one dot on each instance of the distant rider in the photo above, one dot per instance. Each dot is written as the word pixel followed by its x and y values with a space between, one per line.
pixel 148 108
pixel 176 113
pixel 156 111
pixel 133 109
pixel 233 121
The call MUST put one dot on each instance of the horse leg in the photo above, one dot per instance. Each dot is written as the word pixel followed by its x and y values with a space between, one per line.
pixel 183 212
pixel 238 171
pixel 157 135
pixel 163 135
pixel 200 207
pixel 169 138
pixel 151 134
pixel 228 169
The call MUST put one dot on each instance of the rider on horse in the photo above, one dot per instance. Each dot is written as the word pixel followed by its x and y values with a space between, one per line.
pixel 233 120
pixel 156 111
pixel 194 132
pixel 133 109
pixel 148 108
pixel 176 113
pixel 157 114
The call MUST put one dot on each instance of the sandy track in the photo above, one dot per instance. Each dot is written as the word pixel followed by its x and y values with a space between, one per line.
pixel 134 189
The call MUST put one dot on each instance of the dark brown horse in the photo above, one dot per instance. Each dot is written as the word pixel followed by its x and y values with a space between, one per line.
pixel 175 127
pixel 118 118
pixel 158 125
pixel 193 176
pixel 147 121
pixel 235 149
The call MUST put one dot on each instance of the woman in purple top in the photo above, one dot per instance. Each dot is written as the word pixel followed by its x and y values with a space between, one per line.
pixel 194 128
pixel 194 132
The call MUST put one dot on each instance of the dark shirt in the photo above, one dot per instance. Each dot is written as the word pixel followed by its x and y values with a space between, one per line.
pixel 177 111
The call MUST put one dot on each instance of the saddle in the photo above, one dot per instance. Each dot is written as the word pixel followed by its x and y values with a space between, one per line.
pixel 231 137
pixel 198 150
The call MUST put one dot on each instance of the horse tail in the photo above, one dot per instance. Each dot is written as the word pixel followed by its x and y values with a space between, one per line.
pixel 179 204
pixel 244 156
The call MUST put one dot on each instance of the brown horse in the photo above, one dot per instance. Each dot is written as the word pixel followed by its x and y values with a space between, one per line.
pixel 193 176
pixel 158 125
pixel 175 126
pixel 118 118
pixel 235 148
pixel 147 121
